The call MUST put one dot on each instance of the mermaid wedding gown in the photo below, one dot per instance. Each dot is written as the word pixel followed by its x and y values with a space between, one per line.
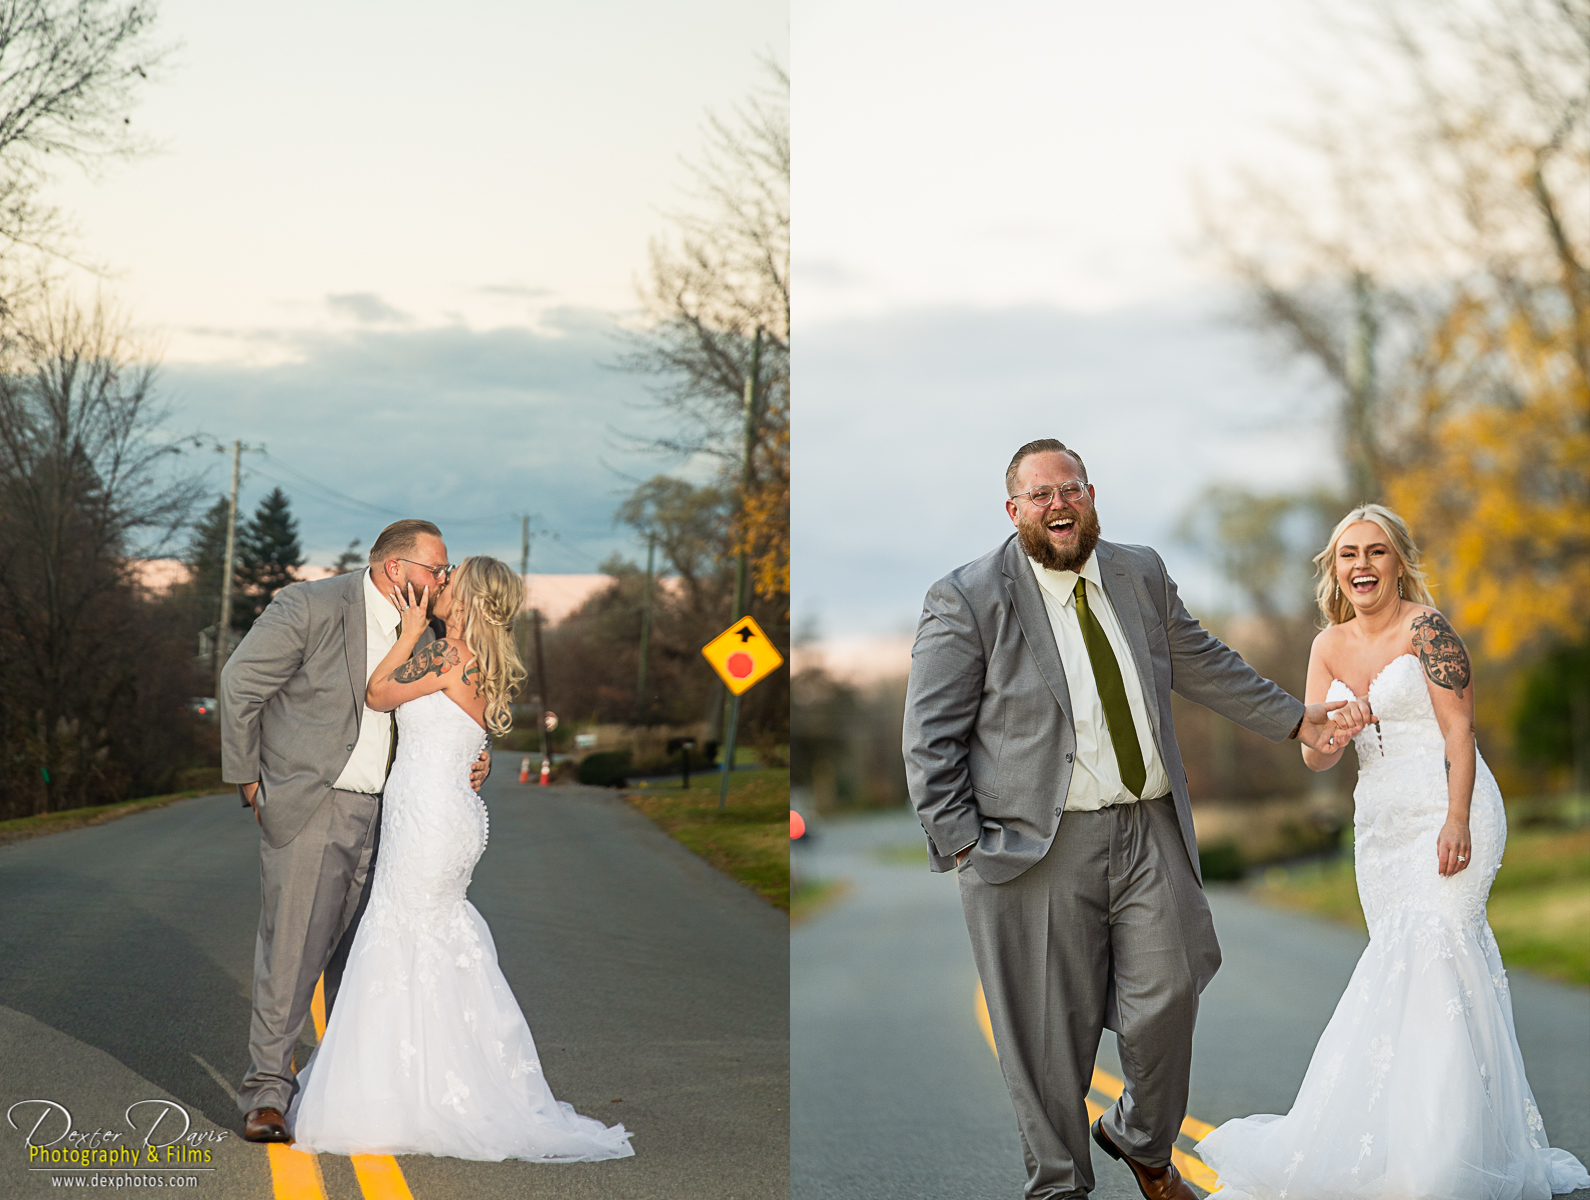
pixel 1416 1088
pixel 426 1051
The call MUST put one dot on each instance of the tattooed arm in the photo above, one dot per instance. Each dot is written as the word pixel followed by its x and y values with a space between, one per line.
pixel 400 678
pixel 1449 679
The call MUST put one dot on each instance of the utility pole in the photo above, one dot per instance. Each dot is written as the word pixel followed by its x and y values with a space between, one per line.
pixel 645 617
pixel 541 688
pixel 223 625
pixel 1363 452
pixel 542 707
pixel 742 563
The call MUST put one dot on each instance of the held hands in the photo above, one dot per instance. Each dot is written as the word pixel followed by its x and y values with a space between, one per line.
pixel 1327 728
pixel 1453 849
pixel 413 610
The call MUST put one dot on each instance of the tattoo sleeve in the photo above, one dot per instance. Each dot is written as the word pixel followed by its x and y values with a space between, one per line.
pixel 435 659
pixel 1445 659
pixel 471 676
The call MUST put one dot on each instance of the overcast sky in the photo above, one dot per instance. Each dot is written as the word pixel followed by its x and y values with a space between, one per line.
pixel 389 242
pixel 996 240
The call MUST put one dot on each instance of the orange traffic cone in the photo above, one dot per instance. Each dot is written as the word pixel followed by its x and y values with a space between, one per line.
pixel 546 772
pixel 524 769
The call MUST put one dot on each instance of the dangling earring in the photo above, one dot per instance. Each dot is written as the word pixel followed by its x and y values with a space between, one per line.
pixel 1399 587
pixel 1338 589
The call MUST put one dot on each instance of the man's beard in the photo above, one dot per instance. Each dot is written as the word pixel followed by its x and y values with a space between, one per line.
pixel 1035 539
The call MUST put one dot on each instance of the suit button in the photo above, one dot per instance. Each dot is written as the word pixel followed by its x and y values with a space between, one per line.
pixel 1057 812
pixel 350 745
pixel 1068 757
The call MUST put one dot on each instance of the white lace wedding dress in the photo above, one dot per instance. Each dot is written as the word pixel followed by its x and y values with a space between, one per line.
pixel 1416 1088
pixel 426 1051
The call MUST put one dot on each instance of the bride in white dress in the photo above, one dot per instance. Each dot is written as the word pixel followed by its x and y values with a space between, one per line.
pixel 1417 1087
pixel 426 1050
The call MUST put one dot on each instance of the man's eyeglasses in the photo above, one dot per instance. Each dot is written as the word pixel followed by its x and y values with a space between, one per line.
pixel 443 572
pixel 1043 497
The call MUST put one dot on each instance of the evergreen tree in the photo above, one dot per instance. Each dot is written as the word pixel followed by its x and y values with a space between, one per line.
pixel 351 559
pixel 206 549
pixel 268 553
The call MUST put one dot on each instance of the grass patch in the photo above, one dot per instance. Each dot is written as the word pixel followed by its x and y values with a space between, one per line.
pixel 1539 907
pixel 21 829
pixel 749 841
pixel 908 854
pixel 812 896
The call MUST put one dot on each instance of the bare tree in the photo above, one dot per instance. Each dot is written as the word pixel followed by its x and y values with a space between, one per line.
pixel 70 71
pixel 1436 268
pixel 723 275
pixel 717 334
pixel 86 481
pixel 1445 215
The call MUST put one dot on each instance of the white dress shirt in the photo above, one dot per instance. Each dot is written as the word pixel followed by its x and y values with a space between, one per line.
pixel 1095 775
pixel 366 770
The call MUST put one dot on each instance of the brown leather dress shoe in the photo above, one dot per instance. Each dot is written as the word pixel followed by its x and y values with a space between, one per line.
pixel 265 1125
pixel 1156 1183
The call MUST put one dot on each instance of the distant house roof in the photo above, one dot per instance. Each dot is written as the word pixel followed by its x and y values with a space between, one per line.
pixel 555 595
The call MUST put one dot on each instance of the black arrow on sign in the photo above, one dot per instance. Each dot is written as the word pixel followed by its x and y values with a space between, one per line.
pixel 745 634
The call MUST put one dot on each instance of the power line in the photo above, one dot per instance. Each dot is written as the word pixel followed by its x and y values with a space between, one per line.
pixel 330 495
pixel 364 507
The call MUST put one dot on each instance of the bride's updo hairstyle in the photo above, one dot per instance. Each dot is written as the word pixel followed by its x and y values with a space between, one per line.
pixel 1333 604
pixel 489 592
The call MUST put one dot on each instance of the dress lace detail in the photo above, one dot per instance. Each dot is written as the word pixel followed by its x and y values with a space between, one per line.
pixel 426 1051
pixel 1417 1088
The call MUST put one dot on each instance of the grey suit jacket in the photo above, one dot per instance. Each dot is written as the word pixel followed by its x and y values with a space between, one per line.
pixel 292 697
pixel 989 740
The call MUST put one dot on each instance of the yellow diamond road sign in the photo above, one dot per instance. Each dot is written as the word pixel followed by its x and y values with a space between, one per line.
pixel 742 656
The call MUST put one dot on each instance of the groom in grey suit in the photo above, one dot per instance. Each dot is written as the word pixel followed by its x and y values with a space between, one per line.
pixel 311 761
pixel 1044 768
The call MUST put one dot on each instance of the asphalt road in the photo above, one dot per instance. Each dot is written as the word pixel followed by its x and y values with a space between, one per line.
pixel 895 1092
pixel 657 990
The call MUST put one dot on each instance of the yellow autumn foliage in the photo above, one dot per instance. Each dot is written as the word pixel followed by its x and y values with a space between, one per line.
pixel 762 532
pixel 1497 490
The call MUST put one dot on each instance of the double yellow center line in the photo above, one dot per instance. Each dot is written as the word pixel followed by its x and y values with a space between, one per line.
pixel 296 1175
pixel 1107 1087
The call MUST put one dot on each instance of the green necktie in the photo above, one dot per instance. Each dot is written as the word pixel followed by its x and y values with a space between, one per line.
pixel 1117 711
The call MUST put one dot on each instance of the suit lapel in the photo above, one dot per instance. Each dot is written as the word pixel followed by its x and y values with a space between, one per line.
pixel 1033 617
pixel 1129 612
pixel 354 645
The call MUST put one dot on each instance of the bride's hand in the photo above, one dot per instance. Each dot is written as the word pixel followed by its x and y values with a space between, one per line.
pixel 1354 715
pixel 413 610
pixel 1320 730
pixel 1453 849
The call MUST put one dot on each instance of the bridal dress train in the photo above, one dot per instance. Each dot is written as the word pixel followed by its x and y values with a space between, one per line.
pixel 426 1051
pixel 1417 1087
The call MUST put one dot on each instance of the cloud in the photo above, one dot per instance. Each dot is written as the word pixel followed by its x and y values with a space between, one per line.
pixel 367 308
pixel 905 424
pixel 460 426
pixel 516 290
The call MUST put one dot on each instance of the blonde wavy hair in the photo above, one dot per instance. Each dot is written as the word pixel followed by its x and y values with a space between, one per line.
pixel 490 592
pixel 1337 608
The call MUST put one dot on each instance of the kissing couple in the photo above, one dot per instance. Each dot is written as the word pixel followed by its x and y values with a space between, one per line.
pixel 425 1050
pixel 1043 764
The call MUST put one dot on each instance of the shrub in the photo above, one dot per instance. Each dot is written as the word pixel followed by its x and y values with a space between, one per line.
pixel 605 768
pixel 1221 862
